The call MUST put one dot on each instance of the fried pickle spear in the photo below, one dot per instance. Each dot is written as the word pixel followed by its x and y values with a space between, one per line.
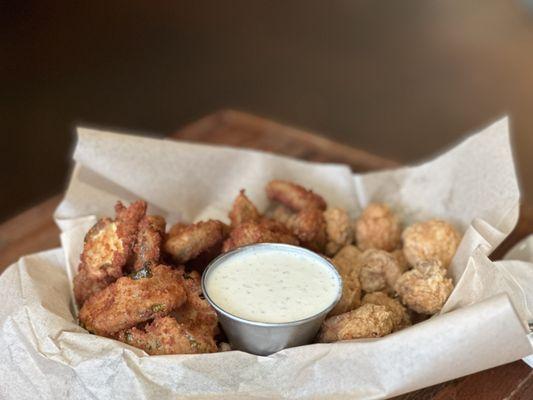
pixel 294 196
pixel 430 240
pixel 367 321
pixel 265 231
pixel 165 335
pixel 339 230
pixel 107 248
pixel 147 249
pixel 243 210
pixel 377 228
pixel 347 264
pixel 146 294
pixel 400 316
pixel 425 288
pixel 195 239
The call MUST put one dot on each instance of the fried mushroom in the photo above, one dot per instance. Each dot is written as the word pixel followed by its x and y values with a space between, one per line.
pixel 377 228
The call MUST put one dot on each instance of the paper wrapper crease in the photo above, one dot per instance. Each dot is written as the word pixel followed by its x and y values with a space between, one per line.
pixel 45 354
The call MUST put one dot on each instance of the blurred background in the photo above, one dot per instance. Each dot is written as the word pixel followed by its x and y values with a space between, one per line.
pixel 401 79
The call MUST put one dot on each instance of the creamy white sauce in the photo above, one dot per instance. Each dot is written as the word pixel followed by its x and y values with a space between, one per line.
pixel 271 285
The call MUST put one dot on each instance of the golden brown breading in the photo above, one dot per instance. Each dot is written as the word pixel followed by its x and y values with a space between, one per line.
pixel 377 228
pixel 196 313
pixel 338 230
pixel 368 321
pixel 243 210
pixel 177 228
pixel 379 270
pixel 400 259
pixel 147 249
pixel 265 231
pixel 194 240
pixel 430 240
pixel 347 264
pixel 107 249
pixel 294 196
pixel 166 336
pixel 400 316
pixel 282 214
pixel 309 227
pixel 148 293
pixel 424 288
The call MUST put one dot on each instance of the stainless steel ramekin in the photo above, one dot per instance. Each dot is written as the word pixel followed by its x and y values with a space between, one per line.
pixel 263 338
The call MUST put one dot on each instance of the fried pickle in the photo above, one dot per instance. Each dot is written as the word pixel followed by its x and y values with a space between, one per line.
pixel 165 335
pixel 146 294
pixel 195 239
pixel 430 240
pixel 377 228
pixel 243 210
pixel 367 321
pixel 107 249
pixel 294 196
pixel 265 231
pixel 425 288
pixel 147 249
pixel 339 230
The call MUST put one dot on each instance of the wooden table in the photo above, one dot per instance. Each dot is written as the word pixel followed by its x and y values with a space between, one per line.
pixel 34 230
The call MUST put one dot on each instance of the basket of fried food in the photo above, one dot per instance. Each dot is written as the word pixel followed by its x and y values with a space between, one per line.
pixel 139 283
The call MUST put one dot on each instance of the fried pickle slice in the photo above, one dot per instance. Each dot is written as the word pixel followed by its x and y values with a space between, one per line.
pixel 265 231
pixel 367 321
pixel 107 249
pixel 146 294
pixel 165 335
pixel 147 249
pixel 195 239
pixel 243 210
pixel 294 196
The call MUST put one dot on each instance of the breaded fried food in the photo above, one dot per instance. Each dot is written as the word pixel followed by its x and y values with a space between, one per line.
pixel 367 321
pixel 425 288
pixel 430 240
pixel 309 227
pixel 339 230
pixel 294 196
pixel 146 294
pixel 107 249
pixel 177 228
pixel 196 313
pixel 400 259
pixel 147 249
pixel 194 240
pixel 347 264
pixel 243 210
pixel 400 316
pixel 379 270
pixel 265 231
pixel 377 228
pixel 165 335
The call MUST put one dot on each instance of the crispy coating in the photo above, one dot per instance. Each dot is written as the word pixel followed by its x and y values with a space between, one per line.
pixel 379 270
pixel 367 321
pixel 177 228
pixel 424 288
pixel 165 335
pixel 400 316
pixel 150 293
pixel 194 240
pixel 294 196
pixel 347 264
pixel 107 249
pixel 282 214
pixel 147 249
pixel 309 227
pixel 339 230
pixel 400 259
pixel 196 313
pixel 243 210
pixel 377 228
pixel 265 231
pixel 430 240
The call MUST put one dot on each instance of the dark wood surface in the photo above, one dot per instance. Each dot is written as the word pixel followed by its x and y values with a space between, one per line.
pixel 34 230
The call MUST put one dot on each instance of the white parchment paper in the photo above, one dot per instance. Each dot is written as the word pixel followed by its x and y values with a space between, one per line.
pixel 45 354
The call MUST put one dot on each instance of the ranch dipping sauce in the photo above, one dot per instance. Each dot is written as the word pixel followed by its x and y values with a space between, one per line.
pixel 264 284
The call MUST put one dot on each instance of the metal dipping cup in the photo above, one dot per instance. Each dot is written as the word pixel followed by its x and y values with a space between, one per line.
pixel 264 338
